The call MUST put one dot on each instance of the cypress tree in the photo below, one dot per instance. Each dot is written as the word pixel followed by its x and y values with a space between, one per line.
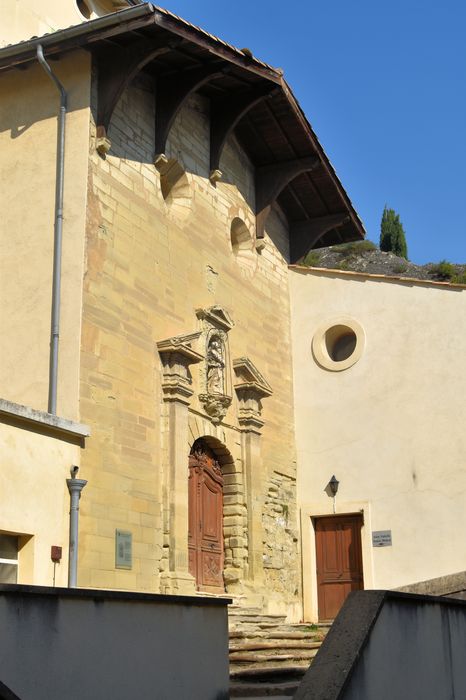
pixel 392 235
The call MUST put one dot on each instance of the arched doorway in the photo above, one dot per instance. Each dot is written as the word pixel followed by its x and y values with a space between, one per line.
pixel 205 505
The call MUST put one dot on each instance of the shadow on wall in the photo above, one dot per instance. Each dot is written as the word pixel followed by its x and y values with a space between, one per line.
pixel 132 136
pixel 28 97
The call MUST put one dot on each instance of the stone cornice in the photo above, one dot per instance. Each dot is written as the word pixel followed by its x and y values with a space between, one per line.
pixel 42 421
pixel 249 377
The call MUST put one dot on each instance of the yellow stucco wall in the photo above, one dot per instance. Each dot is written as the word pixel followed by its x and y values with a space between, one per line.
pixel 23 19
pixel 35 499
pixel 28 135
pixel 390 427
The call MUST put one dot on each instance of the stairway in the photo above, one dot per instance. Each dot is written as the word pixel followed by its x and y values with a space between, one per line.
pixel 268 657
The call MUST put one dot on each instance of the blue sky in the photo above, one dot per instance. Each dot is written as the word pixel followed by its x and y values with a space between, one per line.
pixel 383 85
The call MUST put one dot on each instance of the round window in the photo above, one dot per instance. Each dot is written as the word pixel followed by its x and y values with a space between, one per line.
pixel 338 345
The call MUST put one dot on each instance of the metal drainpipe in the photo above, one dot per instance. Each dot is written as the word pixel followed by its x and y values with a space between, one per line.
pixel 75 486
pixel 58 228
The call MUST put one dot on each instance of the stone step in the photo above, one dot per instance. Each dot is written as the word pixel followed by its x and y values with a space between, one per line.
pixel 280 644
pixel 270 654
pixel 249 657
pixel 276 634
pixel 274 672
pixel 244 689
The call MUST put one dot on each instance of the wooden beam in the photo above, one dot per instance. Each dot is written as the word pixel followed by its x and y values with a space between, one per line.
pixel 216 47
pixel 225 115
pixel 272 179
pixel 305 234
pixel 117 67
pixel 172 91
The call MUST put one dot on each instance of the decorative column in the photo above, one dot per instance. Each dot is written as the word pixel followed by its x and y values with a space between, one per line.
pixel 177 355
pixel 251 387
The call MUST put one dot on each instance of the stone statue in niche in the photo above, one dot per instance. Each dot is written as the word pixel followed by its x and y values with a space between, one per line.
pixel 215 366
pixel 216 370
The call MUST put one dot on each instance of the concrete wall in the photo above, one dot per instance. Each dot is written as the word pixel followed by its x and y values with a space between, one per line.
pixel 28 136
pixel 390 426
pixel 57 644
pixel 391 646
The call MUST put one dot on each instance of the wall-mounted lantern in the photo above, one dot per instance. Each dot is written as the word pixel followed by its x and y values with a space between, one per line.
pixel 333 484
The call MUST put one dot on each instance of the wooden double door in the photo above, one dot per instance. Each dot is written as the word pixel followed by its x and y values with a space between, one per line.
pixel 205 534
pixel 339 561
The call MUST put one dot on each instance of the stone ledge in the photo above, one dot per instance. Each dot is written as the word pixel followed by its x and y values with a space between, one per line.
pixel 103 594
pixel 42 419
pixel 451 584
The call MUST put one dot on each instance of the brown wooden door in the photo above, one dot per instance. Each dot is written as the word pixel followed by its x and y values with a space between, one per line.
pixel 339 561
pixel 205 535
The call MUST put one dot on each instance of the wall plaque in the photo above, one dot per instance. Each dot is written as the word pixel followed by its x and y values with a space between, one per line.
pixel 382 538
pixel 123 549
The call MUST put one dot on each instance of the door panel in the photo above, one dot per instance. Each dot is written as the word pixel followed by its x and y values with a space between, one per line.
pixel 205 537
pixel 339 561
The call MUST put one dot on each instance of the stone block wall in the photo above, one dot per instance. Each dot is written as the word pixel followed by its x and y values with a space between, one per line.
pixel 153 257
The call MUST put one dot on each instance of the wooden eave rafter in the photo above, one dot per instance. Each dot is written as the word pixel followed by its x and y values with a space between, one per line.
pixel 139 38
pixel 118 67
pixel 304 235
pixel 271 180
pixel 173 91
pixel 225 115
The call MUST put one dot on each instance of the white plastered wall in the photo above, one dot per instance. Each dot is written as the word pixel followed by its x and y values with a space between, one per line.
pixel 390 427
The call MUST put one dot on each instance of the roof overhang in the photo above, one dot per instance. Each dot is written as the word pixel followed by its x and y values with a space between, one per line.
pixel 247 96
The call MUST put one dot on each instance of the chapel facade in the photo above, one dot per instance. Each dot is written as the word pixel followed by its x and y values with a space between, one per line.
pixel 192 178
pixel 206 388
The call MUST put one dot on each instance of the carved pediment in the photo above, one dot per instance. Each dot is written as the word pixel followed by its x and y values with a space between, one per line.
pixel 216 316
pixel 176 354
pixel 250 387
pixel 182 344
pixel 249 377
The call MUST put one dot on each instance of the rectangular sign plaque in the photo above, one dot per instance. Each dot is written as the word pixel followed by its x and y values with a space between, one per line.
pixel 123 549
pixel 382 538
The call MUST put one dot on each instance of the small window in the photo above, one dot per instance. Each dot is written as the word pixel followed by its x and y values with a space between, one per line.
pixel 8 559
pixel 340 342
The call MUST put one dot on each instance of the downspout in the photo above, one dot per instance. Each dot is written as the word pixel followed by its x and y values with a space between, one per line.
pixel 58 228
pixel 75 486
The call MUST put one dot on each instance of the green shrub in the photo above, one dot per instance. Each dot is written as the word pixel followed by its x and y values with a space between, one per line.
pixel 355 248
pixel 312 259
pixel 401 267
pixel 444 270
pixel 460 278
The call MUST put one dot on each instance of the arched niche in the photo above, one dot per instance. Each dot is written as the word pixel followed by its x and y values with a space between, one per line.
pixel 242 242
